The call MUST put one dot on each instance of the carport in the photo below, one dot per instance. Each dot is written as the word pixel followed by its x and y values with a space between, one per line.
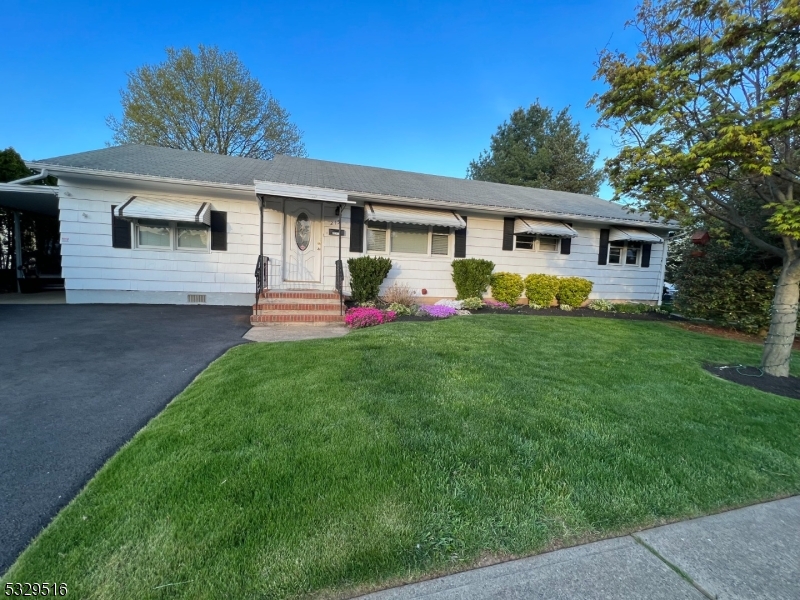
pixel 40 270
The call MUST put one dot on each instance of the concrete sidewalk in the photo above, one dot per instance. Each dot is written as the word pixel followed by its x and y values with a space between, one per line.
pixel 749 553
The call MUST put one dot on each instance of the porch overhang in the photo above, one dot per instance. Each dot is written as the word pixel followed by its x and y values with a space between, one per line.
pixel 304 192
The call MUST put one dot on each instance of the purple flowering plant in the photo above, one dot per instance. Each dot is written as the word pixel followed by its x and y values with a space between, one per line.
pixel 362 316
pixel 438 311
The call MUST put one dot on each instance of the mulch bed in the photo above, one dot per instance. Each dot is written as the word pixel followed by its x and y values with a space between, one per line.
pixel 755 378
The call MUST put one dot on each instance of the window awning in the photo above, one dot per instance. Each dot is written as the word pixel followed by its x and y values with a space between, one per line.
pixel 163 209
pixel 629 234
pixel 551 228
pixel 413 216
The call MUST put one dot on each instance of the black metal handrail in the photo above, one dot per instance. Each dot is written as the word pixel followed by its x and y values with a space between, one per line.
pixel 340 283
pixel 262 275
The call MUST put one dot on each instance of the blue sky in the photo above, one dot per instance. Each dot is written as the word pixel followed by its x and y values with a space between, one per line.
pixel 419 86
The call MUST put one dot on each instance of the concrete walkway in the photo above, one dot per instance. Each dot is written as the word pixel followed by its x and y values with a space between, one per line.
pixel 750 553
pixel 294 333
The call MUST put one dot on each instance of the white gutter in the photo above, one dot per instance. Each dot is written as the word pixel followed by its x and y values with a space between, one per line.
pixel 42 175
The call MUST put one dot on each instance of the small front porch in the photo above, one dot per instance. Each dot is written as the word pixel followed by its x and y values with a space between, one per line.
pixel 301 307
pixel 300 279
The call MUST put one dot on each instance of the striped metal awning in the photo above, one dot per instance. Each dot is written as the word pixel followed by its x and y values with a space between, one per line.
pixel 630 234
pixel 550 228
pixel 413 216
pixel 165 209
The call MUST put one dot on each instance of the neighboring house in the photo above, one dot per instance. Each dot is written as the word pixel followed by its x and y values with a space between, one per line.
pixel 142 224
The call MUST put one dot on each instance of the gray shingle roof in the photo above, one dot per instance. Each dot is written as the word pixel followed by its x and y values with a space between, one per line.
pixel 233 170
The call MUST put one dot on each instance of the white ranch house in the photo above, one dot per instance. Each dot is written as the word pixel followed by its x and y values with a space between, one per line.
pixel 142 224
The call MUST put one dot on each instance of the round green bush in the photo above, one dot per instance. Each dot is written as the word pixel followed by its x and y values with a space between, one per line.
pixel 573 291
pixel 472 276
pixel 541 289
pixel 507 287
pixel 366 276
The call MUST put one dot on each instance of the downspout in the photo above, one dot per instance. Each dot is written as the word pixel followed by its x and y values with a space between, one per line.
pixel 43 174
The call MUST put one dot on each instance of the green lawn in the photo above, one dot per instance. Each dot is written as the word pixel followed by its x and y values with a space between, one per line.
pixel 328 466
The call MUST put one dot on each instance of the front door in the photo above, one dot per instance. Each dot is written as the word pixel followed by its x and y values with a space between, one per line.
pixel 302 242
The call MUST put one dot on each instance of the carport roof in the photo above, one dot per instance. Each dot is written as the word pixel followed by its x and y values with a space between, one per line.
pixel 355 180
pixel 41 199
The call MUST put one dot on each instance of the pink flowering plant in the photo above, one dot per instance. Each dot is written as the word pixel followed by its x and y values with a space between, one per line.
pixel 495 304
pixel 438 311
pixel 362 316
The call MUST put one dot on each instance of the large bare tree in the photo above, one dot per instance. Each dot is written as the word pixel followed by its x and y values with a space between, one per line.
pixel 207 102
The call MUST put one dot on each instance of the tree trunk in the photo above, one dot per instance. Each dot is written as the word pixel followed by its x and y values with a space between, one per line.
pixel 777 353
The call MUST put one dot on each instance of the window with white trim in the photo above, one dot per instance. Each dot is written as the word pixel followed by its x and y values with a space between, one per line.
pixel 537 243
pixel 169 235
pixel 624 253
pixel 408 239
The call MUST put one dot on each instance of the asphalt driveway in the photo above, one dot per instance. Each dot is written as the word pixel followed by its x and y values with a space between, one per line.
pixel 77 382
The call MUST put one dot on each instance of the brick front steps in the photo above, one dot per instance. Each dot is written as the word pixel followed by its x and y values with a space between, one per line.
pixel 301 307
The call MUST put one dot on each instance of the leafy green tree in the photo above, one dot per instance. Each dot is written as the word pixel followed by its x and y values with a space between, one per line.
pixel 207 102
pixel 12 166
pixel 537 148
pixel 708 107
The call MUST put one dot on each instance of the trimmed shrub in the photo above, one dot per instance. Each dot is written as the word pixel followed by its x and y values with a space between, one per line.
pixel 471 303
pixel 366 276
pixel 573 291
pixel 472 277
pixel 507 287
pixel 601 304
pixel 541 289
pixel 359 317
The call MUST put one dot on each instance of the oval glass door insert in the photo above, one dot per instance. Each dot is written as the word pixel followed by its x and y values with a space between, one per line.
pixel 302 231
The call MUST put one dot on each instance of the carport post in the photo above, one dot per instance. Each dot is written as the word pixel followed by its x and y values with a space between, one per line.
pixel 17 249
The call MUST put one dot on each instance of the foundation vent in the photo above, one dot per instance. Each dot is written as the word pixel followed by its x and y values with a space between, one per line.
pixel 196 299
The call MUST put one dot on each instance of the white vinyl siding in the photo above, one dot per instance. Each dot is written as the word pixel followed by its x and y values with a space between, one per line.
pixel 93 269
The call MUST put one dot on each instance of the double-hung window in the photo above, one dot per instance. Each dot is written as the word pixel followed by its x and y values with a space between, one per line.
pixel 407 239
pixel 168 235
pixel 539 243
pixel 624 253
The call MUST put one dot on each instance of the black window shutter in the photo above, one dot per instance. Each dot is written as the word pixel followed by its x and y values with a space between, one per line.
pixel 219 230
pixel 356 229
pixel 120 231
pixel 508 233
pixel 566 243
pixel 646 254
pixel 461 241
pixel 602 257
